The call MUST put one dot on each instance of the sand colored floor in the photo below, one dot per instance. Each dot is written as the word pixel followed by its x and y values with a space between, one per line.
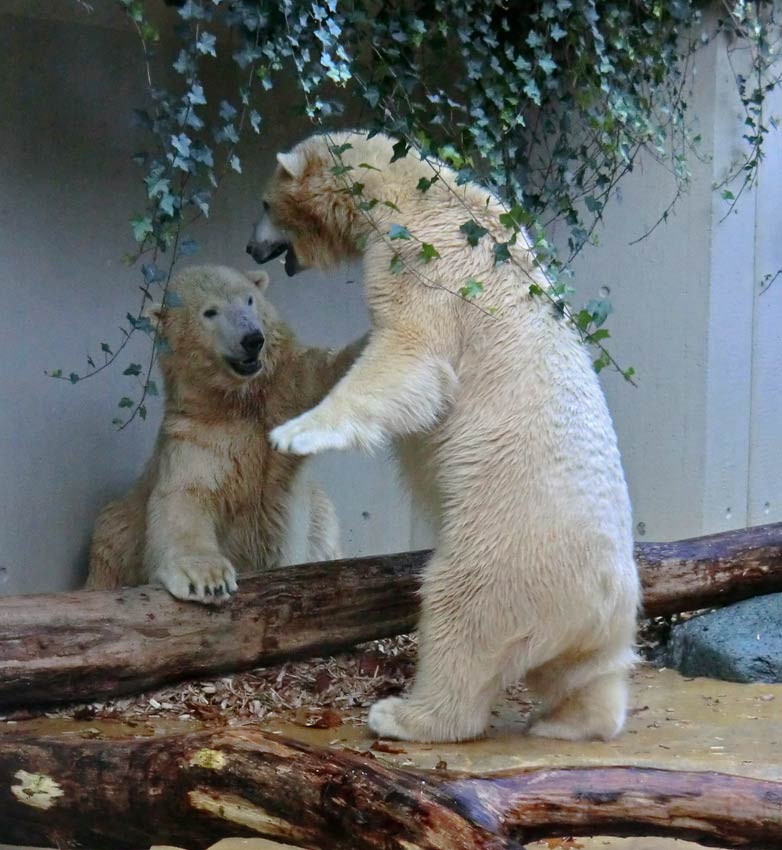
pixel 676 723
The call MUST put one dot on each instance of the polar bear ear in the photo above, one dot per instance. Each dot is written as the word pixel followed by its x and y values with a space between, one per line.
pixel 291 163
pixel 259 277
pixel 152 310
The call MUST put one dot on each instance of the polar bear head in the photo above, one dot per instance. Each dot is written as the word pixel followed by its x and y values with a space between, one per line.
pixel 312 207
pixel 215 324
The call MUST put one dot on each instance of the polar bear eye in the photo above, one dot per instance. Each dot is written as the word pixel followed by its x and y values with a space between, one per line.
pixel 250 301
pixel 210 314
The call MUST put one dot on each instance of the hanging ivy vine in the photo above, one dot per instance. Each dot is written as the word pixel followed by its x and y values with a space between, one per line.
pixel 549 102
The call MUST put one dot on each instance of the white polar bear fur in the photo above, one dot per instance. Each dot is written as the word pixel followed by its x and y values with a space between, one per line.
pixel 215 500
pixel 515 455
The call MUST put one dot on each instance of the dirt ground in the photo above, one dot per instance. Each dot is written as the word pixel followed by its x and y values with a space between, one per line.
pixel 674 722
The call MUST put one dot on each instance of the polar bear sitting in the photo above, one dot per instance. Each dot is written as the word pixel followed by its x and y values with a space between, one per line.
pixel 215 500
pixel 533 574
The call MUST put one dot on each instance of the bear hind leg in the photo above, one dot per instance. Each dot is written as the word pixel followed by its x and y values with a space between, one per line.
pixel 586 702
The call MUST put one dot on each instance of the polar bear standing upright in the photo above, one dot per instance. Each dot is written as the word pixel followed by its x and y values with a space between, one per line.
pixel 215 500
pixel 533 574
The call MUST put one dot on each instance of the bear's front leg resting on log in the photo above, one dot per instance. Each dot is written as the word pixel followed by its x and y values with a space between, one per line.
pixel 396 387
pixel 182 550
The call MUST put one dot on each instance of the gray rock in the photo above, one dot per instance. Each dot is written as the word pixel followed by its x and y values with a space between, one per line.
pixel 740 643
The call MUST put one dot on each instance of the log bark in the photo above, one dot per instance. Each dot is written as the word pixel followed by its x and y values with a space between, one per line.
pixel 193 789
pixel 96 644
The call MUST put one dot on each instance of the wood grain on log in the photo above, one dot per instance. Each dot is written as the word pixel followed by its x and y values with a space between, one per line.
pixel 95 644
pixel 193 789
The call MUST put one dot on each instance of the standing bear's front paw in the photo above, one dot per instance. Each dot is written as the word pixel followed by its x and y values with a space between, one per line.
pixel 209 579
pixel 307 435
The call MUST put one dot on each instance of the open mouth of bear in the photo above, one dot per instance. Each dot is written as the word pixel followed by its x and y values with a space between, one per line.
pixel 292 265
pixel 245 368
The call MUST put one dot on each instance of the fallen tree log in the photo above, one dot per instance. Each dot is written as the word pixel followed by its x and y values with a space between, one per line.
pixel 193 789
pixel 94 644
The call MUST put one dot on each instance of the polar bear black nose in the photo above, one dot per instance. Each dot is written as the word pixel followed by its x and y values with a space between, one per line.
pixel 252 343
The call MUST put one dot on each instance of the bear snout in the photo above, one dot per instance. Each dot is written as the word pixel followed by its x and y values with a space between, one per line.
pixel 252 343
pixel 264 251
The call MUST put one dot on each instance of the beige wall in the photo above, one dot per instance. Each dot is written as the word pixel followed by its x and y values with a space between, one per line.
pixel 699 436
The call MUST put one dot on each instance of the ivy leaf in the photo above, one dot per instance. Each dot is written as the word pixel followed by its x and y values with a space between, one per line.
pixel 142 411
pixel 255 121
pixel 397 264
pixel 367 165
pixel 235 163
pixel 56 373
pixel 473 231
pixel 428 252
pixel 74 378
pixel 535 290
pixel 227 111
pixel 392 206
pixel 501 253
pixel 599 335
pixel 206 44
pixel 181 145
pixel 599 309
pixel 133 369
pixel 125 402
pixel 338 150
pixel 532 91
pixel 601 362
pixel 188 246
pixel 142 227
pixel 151 388
pixel 400 149
pixel 105 348
pixel 425 183
pixel 471 289
pixel 398 231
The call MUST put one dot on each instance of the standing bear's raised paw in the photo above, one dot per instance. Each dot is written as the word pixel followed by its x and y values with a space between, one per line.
pixel 307 435
pixel 209 579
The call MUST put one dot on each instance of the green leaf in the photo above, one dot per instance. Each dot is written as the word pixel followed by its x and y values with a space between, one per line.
pixel 142 227
pixel 599 309
pixel 400 149
pixel 601 362
pixel 428 252
pixel 398 231
pixel 367 165
pixel 57 373
pixel 133 369
pixel 74 378
pixel 425 183
pixel 339 170
pixel 235 163
pixel 397 264
pixel 392 206
pixel 471 289
pixel 535 290
pixel 473 231
pixel 142 411
pixel 104 347
pixel 501 253
pixel 151 388
pixel 599 335
pixel 338 150
pixel 126 402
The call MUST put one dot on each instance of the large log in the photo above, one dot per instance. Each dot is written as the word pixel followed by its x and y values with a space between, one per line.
pixel 193 789
pixel 94 644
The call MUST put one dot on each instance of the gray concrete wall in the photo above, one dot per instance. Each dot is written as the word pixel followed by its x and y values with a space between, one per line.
pixel 700 435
